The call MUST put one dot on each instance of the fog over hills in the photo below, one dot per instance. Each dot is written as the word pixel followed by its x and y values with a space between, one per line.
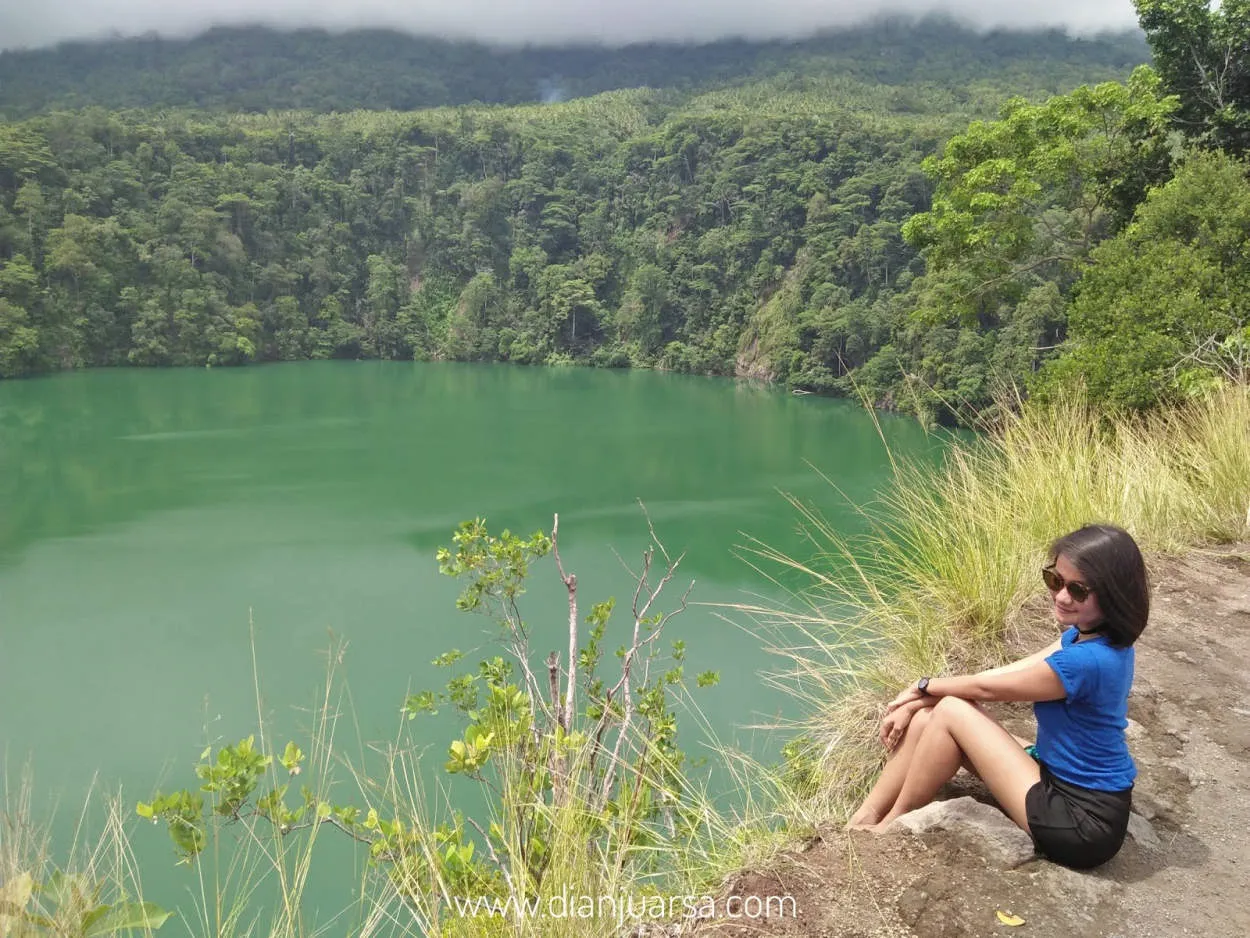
pixel 260 69
pixel 519 22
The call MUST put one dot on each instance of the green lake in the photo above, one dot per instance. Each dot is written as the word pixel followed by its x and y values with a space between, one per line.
pixel 152 521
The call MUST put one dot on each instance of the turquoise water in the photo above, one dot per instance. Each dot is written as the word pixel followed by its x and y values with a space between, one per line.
pixel 156 526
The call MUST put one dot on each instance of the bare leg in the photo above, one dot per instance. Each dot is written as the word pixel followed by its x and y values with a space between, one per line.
pixel 957 730
pixel 879 801
pixel 968 767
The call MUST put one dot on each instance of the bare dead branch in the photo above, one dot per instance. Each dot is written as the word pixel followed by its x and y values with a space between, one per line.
pixel 651 530
pixel 564 713
pixel 553 677
pixel 499 864
pixel 1228 359
pixel 637 644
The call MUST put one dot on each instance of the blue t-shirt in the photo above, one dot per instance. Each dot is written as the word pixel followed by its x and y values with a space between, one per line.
pixel 1081 737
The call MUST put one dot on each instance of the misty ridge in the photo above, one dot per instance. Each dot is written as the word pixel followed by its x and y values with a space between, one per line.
pixel 260 69
pixel 519 23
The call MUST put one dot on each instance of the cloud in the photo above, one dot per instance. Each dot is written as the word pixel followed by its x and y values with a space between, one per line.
pixel 615 22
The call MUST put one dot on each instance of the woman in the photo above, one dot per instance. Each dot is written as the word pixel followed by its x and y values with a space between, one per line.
pixel 1072 791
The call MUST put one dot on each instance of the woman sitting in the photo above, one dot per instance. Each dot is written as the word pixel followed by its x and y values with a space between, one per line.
pixel 1072 791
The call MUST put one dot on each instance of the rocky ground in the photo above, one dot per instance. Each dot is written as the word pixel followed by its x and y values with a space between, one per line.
pixel 1184 871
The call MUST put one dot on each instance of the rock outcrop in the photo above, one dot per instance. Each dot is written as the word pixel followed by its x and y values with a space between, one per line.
pixel 947 870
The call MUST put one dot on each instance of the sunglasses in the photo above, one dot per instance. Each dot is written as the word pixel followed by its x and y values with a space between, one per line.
pixel 1054 582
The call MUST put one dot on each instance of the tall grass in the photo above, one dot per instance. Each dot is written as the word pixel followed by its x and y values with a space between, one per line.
pixel 89 888
pixel 953 555
pixel 254 879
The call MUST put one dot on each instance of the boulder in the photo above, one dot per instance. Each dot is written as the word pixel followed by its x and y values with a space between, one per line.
pixel 1142 831
pixel 991 833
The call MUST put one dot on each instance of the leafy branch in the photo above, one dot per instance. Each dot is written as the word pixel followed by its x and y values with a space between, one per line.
pixel 581 756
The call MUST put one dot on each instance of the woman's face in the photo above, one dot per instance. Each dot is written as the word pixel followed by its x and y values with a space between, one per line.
pixel 1084 615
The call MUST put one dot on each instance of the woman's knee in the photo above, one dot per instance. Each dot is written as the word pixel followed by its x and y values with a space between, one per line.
pixel 919 721
pixel 952 707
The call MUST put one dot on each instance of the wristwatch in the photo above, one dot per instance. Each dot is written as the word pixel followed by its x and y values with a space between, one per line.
pixel 922 685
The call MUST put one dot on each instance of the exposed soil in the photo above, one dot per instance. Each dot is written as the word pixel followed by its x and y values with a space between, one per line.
pixel 1190 736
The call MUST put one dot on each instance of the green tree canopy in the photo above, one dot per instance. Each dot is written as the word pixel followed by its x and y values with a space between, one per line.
pixel 1021 201
pixel 1165 306
pixel 1202 51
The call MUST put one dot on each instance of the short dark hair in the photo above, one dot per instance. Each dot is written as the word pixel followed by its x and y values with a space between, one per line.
pixel 1114 569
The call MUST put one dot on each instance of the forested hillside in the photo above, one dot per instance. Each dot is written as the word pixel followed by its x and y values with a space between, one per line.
pixel 799 228
pixel 255 69
pixel 581 231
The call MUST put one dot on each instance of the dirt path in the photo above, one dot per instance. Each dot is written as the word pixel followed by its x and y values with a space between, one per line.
pixel 1188 871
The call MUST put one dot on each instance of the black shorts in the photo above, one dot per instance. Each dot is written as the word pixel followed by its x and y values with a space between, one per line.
pixel 1074 826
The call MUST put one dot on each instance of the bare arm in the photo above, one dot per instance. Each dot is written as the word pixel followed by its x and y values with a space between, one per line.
pixel 1026 662
pixel 910 695
pixel 1029 679
pixel 1037 681
pixel 923 703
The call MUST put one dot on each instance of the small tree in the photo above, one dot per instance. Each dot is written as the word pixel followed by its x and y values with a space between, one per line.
pixel 581 770
pixel 1163 312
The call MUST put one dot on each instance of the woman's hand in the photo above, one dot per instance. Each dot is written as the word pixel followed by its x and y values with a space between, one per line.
pixel 906 695
pixel 894 725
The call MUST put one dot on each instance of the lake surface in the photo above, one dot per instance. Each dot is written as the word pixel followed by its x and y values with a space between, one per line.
pixel 153 521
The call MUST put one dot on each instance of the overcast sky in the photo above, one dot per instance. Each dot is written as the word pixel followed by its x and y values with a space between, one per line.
pixel 34 23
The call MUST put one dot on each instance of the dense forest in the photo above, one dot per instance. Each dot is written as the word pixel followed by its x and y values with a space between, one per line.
pixel 255 69
pixel 797 224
